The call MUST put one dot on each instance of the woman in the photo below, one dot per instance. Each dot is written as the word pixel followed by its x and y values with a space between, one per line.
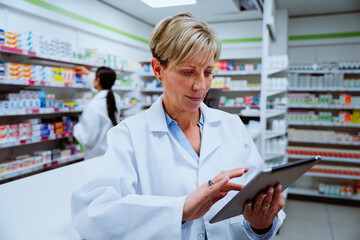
pixel 101 114
pixel 159 185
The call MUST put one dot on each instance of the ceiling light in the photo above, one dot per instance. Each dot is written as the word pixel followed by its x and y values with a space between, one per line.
pixel 168 3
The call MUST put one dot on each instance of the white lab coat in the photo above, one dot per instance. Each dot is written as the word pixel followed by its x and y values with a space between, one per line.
pixel 149 174
pixel 95 123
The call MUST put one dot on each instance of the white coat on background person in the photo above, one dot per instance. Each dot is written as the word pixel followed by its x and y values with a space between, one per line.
pixel 95 121
pixel 169 169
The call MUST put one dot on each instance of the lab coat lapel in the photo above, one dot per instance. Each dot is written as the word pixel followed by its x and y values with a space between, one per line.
pixel 155 116
pixel 210 140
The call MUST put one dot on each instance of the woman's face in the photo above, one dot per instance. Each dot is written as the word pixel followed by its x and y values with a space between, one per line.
pixel 186 84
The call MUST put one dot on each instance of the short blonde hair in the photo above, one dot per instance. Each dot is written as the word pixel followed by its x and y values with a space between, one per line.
pixel 181 37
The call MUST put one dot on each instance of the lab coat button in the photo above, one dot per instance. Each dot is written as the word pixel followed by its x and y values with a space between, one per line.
pixel 200 236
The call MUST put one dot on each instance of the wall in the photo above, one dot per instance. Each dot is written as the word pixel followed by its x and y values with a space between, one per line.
pixel 326 38
pixel 86 24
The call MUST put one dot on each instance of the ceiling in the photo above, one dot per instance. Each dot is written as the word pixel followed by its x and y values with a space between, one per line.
pixel 213 11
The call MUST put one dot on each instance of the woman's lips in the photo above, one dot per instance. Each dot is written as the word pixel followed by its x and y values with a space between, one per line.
pixel 195 99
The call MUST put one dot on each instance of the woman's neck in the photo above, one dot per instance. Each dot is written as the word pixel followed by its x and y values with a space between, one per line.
pixel 184 119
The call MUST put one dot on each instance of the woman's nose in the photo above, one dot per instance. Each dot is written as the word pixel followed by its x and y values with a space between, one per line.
pixel 200 83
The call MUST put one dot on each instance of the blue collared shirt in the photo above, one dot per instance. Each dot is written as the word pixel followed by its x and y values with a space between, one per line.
pixel 179 135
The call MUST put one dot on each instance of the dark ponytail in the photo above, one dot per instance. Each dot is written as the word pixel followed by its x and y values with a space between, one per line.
pixel 107 78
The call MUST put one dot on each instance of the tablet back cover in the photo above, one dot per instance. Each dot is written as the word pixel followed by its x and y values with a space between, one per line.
pixel 284 174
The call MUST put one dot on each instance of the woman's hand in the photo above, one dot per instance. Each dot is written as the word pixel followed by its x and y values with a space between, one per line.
pixel 82 70
pixel 201 200
pixel 261 213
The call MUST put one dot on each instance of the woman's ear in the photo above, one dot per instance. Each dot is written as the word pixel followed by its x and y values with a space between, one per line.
pixel 157 68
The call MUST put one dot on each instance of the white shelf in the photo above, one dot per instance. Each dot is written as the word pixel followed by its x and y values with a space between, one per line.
pixel 155 90
pixel 325 71
pixel 275 71
pixel 25 53
pixel 27 170
pixel 147 74
pixel 324 89
pixel 250 113
pixel 238 106
pixel 319 106
pixel 31 141
pixel 272 92
pixel 273 134
pixel 247 89
pixel 232 73
pixel 328 175
pixel 123 88
pixel 274 112
pixel 330 159
pixel 37 111
pixel 315 193
pixel 43 84
pixel 325 124
pixel 269 156
pixel 324 142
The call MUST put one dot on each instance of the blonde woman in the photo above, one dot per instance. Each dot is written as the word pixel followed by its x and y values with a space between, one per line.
pixel 176 163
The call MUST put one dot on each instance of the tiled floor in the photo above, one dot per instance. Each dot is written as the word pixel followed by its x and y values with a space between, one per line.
pixel 319 221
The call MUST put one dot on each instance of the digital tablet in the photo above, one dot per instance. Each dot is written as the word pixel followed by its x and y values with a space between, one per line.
pixel 284 174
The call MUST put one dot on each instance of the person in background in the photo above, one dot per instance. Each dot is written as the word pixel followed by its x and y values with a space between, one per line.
pixel 101 113
pixel 172 167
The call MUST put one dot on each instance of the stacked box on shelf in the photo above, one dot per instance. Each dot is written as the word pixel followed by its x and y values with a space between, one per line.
pixel 325 152
pixel 2 71
pixel 11 39
pixel 2 37
pixel 322 136
pixel 330 169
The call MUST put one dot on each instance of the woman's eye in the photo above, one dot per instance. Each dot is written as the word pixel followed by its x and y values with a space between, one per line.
pixel 208 73
pixel 188 73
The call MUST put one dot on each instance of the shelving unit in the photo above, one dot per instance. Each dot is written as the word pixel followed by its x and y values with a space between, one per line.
pixel 27 145
pixel 273 104
pixel 240 86
pixel 321 82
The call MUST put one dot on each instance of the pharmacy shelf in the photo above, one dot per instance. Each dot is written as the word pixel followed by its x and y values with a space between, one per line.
pixel 274 112
pixel 38 111
pixel 237 106
pixel 326 71
pixel 328 175
pixel 270 156
pixel 274 134
pixel 22 172
pixel 324 142
pixel 325 124
pixel 273 92
pixel 235 73
pixel 7 82
pixel 319 106
pixel 315 193
pixel 148 74
pixel 19 143
pixel 157 90
pixel 246 89
pixel 250 113
pixel 324 89
pixel 123 88
pixel 330 159
pixel 277 71
pixel 25 54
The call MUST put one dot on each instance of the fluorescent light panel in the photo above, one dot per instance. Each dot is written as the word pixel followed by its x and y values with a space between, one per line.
pixel 168 3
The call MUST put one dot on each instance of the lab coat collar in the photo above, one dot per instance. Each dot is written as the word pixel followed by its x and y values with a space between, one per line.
pixel 155 116
pixel 101 94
